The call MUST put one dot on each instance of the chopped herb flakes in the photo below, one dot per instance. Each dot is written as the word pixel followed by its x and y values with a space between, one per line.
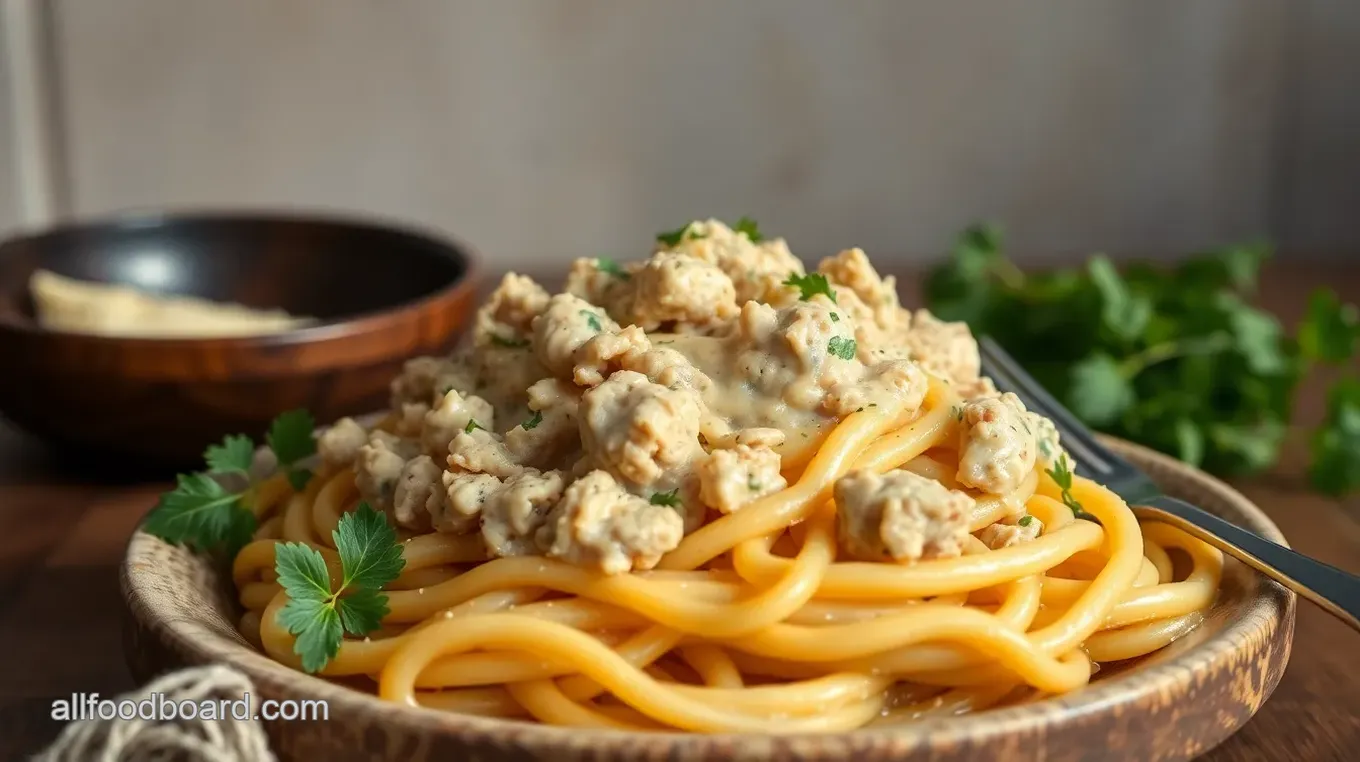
pixel 841 347
pixel 810 285
pixel 611 267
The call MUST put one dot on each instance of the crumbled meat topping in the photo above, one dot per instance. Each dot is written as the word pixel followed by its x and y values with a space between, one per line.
pixel 998 448
pixel 639 431
pixel 599 524
pixel 452 415
pixel 1003 535
pixel 729 479
pixel 339 445
pixel 900 515
pixel 602 423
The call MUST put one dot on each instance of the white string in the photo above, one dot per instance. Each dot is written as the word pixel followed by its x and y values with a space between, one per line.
pixel 197 740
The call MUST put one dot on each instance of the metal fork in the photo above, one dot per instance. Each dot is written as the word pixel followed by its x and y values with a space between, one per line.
pixel 1336 591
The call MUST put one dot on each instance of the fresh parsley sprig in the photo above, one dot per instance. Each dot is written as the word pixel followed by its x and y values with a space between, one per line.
pixel 810 285
pixel 683 233
pixel 669 499
pixel 749 228
pixel 610 267
pixel 370 557
pixel 206 510
pixel 1173 357
pixel 1061 473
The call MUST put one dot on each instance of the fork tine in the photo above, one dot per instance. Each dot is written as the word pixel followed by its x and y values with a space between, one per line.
pixel 1076 437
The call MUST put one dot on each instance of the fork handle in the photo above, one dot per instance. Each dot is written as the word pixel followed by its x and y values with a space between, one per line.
pixel 1336 591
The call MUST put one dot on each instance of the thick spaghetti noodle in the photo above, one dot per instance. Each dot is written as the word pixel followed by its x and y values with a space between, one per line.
pixel 770 643
pixel 757 619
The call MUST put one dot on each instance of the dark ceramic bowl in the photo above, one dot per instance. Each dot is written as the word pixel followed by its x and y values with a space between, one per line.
pixel 381 294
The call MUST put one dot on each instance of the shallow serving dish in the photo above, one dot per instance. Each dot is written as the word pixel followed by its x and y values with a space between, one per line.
pixel 382 294
pixel 1173 705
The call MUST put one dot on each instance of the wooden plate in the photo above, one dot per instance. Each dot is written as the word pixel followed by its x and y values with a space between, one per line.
pixel 1172 705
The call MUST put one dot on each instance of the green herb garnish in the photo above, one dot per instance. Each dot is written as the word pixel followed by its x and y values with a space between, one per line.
pixel 370 557
pixel 841 347
pixel 1336 445
pixel 810 285
pixel 592 320
pixel 1173 357
pixel 472 426
pixel 669 499
pixel 835 318
pixel 1025 520
pixel 290 437
pixel 533 422
pixel 1062 476
pixel 501 341
pixel 613 268
pixel 674 237
pixel 750 228
pixel 206 510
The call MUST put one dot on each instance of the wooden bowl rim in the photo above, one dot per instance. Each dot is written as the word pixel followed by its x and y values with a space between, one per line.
pixel 1265 618
pixel 360 323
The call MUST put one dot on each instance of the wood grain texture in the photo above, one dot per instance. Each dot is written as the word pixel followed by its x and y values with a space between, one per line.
pixel 383 296
pixel 63 532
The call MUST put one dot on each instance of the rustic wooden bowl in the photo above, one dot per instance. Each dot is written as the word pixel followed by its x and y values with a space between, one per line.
pixel 1172 705
pixel 382 294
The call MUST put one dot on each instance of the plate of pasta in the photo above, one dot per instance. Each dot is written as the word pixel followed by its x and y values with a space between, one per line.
pixel 707 503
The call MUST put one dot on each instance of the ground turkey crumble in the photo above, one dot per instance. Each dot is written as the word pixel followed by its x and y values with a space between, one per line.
pixel 600 424
pixel 901 516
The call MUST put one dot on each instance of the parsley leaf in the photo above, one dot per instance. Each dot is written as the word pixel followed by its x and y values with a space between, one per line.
pixel 533 421
pixel 841 347
pixel 472 426
pixel 362 611
pixel 1061 473
pixel 611 267
pixel 199 513
pixel 1174 357
pixel 749 227
pixel 592 320
pixel 205 513
pixel 1336 446
pixel 1123 313
pixel 810 285
pixel 234 455
pixel 290 437
pixel 1330 330
pixel 501 341
pixel 1099 391
pixel 318 628
pixel 1025 520
pixel 368 548
pixel 370 557
pixel 669 499
pixel 674 237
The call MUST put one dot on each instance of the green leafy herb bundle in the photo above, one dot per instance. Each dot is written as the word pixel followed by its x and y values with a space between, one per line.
pixel 1173 357
pixel 207 512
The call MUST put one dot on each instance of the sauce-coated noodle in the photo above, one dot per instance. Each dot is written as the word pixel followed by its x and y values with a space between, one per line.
pixel 801 642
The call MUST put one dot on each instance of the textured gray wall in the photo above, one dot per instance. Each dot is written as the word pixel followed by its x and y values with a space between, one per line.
pixel 543 129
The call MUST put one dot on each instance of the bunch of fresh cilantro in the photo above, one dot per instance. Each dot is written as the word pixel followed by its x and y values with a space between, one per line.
pixel 1173 357
pixel 207 511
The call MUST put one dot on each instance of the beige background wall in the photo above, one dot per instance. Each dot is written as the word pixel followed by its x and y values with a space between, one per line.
pixel 8 182
pixel 552 128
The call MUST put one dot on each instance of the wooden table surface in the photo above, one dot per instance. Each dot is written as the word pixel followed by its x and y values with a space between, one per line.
pixel 62 534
